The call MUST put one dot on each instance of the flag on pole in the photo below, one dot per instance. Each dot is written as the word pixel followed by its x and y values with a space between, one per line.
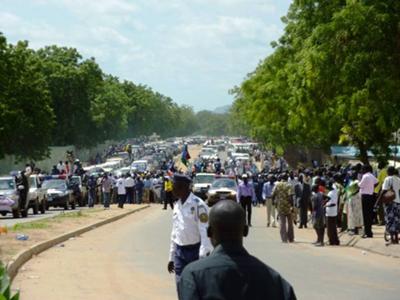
pixel 185 154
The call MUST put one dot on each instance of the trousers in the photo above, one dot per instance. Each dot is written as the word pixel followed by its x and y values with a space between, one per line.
pixel 368 202
pixel 184 255
pixel 245 201
pixel 331 227
pixel 286 228
pixel 270 211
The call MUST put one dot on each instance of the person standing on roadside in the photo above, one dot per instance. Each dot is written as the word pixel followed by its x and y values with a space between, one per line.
pixel 106 185
pixel 121 191
pixel 245 196
pixel 331 209
pixel 230 272
pixel 367 185
pixel 168 195
pixel 318 216
pixel 189 239
pixel 267 196
pixel 392 209
pixel 129 188
pixel 283 197
pixel 382 174
pixel 91 190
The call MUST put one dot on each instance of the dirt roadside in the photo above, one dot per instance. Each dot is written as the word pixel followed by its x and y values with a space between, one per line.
pixel 46 229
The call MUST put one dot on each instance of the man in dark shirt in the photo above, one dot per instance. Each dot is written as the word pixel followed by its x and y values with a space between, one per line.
pixel 230 272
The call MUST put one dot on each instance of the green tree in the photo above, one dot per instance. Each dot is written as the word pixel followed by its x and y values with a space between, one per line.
pixel 109 110
pixel 73 86
pixel 333 78
pixel 26 116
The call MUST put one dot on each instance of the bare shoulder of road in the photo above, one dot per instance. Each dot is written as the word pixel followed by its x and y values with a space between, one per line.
pixel 122 260
pixel 44 229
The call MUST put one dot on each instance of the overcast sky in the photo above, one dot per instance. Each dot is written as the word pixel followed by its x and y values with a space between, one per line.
pixel 191 50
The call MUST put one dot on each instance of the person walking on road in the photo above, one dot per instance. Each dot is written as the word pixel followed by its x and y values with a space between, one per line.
pixel 230 272
pixel 121 191
pixel 189 239
pixel 303 190
pixel 106 186
pixel 245 196
pixel 283 197
pixel 267 196
pixel 168 195
pixel 367 186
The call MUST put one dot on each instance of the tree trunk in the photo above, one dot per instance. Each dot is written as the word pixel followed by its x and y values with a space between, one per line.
pixel 363 155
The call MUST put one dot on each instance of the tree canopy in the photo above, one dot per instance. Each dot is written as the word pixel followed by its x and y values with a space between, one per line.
pixel 53 96
pixel 333 78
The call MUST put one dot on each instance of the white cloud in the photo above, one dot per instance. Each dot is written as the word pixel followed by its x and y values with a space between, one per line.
pixel 171 45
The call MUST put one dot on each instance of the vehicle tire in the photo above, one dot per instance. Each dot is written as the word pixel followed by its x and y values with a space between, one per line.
pixel 43 207
pixel 36 207
pixel 16 213
pixel 3 213
pixel 386 236
pixel 24 213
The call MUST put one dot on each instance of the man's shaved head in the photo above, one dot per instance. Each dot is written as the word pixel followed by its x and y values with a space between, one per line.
pixel 227 222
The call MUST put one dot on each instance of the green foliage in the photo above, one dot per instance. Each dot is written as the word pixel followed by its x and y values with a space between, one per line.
pixel 26 116
pixel 333 78
pixel 5 285
pixel 53 96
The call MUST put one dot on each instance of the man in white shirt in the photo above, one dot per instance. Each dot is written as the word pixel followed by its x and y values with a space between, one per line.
pixel 121 191
pixel 129 188
pixel 189 239
pixel 331 211
pixel 367 186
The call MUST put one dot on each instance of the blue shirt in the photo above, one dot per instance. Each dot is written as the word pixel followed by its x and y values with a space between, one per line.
pixel 267 190
pixel 246 190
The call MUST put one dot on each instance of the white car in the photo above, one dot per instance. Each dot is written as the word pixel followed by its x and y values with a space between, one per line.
pixel 36 195
pixel 201 184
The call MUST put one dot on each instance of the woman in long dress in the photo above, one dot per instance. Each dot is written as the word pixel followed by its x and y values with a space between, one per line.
pixel 354 206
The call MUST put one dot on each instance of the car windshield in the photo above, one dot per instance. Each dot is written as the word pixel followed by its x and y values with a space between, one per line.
pixel 55 184
pixel 74 180
pixel 7 184
pixel 224 183
pixel 139 166
pixel 207 152
pixel 203 179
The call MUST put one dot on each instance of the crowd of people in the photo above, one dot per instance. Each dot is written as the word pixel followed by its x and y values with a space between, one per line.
pixel 332 198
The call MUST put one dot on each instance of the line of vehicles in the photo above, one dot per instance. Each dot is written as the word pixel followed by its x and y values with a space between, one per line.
pixel 68 192
pixel 214 186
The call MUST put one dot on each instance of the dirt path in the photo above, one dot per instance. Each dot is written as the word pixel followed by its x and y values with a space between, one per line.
pixel 122 260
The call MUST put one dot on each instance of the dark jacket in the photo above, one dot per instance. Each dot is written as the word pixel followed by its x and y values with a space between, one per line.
pixel 231 273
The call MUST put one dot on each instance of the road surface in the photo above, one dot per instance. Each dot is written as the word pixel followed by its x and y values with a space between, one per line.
pixel 127 260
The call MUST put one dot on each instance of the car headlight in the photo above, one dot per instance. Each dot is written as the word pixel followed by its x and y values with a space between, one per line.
pixel 212 193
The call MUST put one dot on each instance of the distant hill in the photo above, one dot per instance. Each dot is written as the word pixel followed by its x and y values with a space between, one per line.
pixel 222 109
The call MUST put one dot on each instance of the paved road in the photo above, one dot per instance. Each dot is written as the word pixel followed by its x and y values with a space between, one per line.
pixel 9 221
pixel 127 260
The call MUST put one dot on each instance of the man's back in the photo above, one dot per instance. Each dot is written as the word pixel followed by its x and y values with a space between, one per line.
pixel 231 273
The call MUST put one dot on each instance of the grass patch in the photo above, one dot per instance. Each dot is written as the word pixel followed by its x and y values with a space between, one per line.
pixel 71 215
pixel 30 226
